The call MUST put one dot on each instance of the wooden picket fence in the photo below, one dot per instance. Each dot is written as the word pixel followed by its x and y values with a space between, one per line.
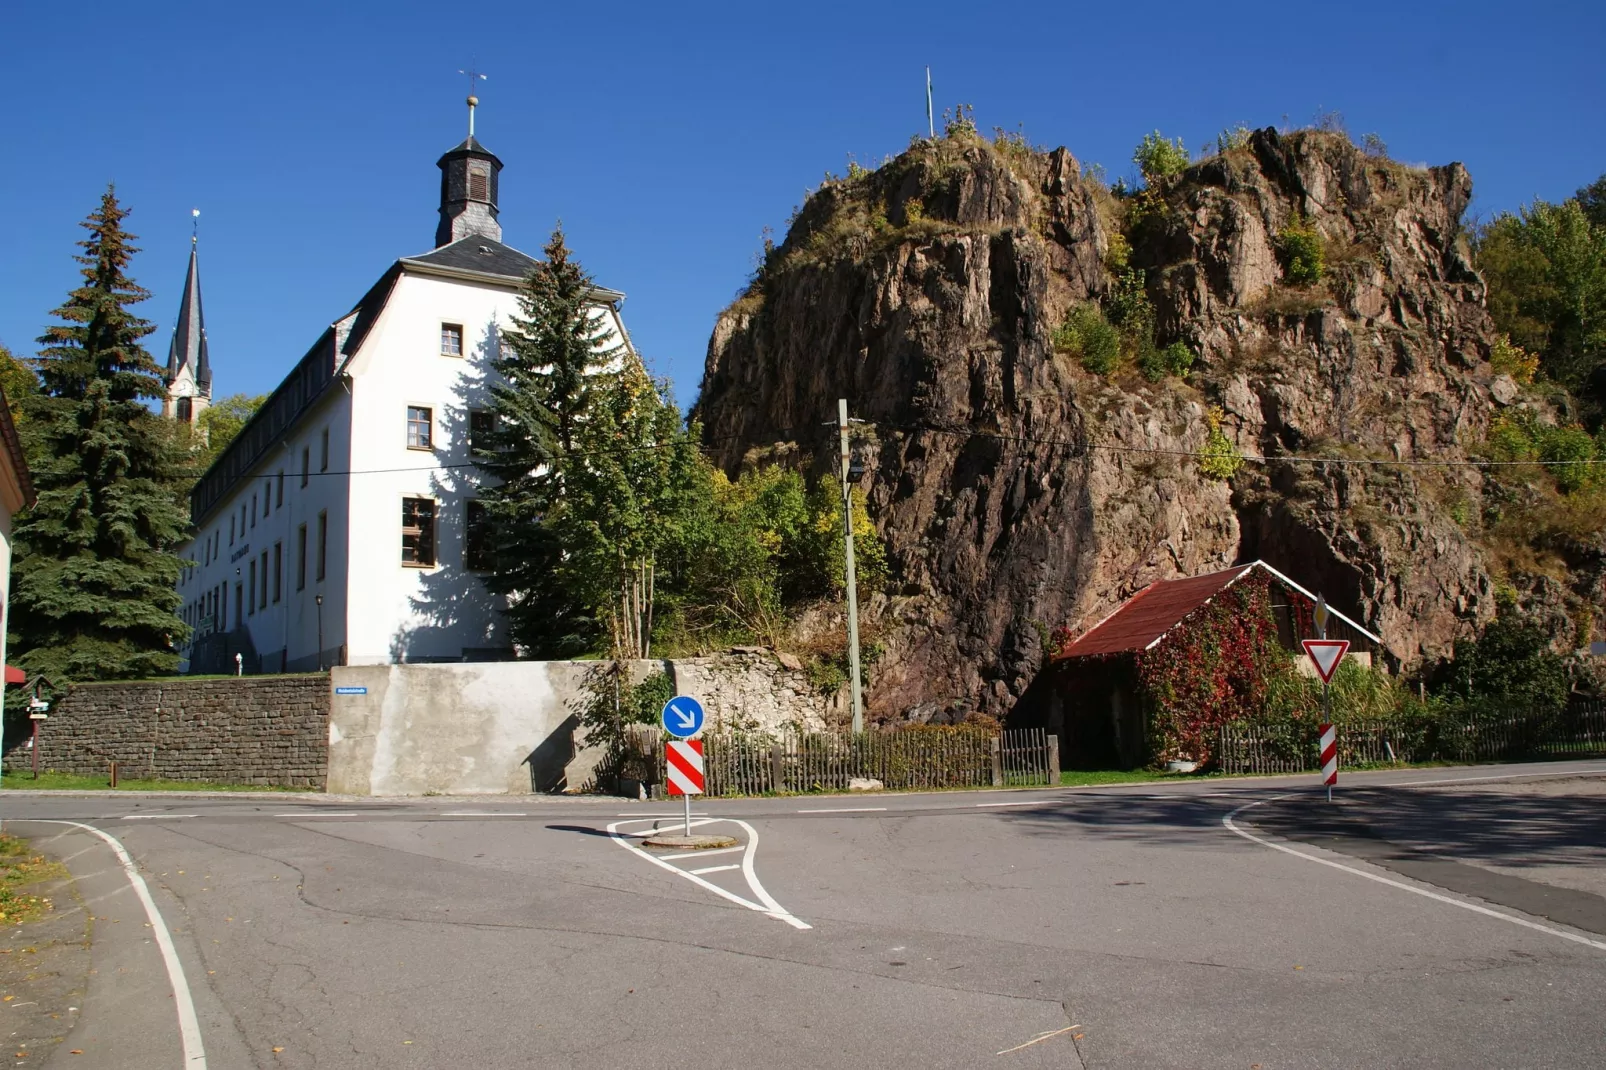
pixel 1577 732
pixel 916 758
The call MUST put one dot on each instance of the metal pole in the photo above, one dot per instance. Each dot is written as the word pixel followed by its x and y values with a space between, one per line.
pixel 853 592
pixel 931 126
pixel 688 813
pixel 36 749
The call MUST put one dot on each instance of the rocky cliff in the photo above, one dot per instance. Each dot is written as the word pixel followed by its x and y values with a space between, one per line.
pixel 1018 491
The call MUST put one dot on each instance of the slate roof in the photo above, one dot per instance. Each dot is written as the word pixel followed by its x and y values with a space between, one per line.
pixel 189 334
pixel 1145 618
pixel 477 253
pixel 471 144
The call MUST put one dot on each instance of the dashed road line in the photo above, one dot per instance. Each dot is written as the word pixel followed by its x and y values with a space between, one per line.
pixel 154 817
pixel 321 813
pixel 481 813
pixel 845 810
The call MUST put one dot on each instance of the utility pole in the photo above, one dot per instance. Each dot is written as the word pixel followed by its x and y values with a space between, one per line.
pixel 853 591
pixel 931 126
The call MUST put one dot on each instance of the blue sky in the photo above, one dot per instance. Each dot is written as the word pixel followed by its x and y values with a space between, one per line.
pixel 667 136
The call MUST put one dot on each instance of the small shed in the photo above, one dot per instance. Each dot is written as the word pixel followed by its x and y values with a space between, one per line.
pixel 1203 640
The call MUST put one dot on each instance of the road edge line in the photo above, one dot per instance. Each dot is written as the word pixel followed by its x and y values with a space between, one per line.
pixel 1476 908
pixel 189 1026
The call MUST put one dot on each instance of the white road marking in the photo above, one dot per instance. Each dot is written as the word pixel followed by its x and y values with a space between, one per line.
pixel 1470 779
pixel 154 817
pixel 764 904
pixel 1474 907
pixel 714 869
pixel 189 1027
pixel 677 813
pixel 1023 802
pixel 845 810
pixel 481 813
pixel 321 813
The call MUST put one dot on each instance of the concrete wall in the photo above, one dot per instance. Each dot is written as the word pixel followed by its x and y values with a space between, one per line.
pixel 491 727
pixel 247 730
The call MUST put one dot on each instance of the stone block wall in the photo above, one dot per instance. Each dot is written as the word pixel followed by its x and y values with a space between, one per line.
pixel 242 730
pixel 754 689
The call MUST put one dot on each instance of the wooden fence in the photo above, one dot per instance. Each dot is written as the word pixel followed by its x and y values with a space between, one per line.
pixel 918 758
pixel 1576 732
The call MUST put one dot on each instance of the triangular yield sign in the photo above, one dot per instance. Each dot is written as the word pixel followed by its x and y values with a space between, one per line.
pixel 1325 654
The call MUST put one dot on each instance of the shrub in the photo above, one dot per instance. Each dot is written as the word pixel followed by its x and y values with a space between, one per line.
pixel 1373 146
pixel 1571 455
pixel 1513 360
pixel 1088 336
pixel 1303 254
pixel 1220 459
pixel 1158 158
pixel 1174 359
pixel 1233 137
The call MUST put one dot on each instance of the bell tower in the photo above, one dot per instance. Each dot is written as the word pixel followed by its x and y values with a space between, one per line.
pixel 188 377
pixel 469 179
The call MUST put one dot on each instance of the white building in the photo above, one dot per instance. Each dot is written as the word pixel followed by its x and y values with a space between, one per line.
pixel 340 526
pixel 16 494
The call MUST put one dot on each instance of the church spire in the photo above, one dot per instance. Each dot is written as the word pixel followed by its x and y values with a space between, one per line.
pixel 189 368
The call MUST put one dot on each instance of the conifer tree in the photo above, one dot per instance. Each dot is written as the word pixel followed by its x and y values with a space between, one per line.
pixel 95 567
pixel 559 346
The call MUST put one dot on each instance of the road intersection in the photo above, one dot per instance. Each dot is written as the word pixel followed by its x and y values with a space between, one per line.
pixel 1136 926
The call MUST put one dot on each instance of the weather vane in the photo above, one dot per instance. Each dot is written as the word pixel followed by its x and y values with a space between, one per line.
pixel 195 224
pixel 473 76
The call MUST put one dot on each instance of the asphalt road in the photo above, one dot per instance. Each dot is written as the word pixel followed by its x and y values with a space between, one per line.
pixel 1459 923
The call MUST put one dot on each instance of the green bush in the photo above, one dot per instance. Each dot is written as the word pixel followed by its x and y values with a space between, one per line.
pixel 1220 458
pixel 1233 137
pixel 1158 158
pixel 1089 337
pixel 1303 253
pixel 1571 455
pixel 1174 359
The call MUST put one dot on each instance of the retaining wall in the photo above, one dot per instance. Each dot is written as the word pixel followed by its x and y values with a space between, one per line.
pixel 242 730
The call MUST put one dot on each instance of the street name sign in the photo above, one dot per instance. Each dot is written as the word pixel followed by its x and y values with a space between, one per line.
pixel 682 716
pixel 683 765
pixel 351 691
pixel 1325 654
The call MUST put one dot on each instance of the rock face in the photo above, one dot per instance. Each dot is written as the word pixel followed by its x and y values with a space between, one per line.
pixel 1018 492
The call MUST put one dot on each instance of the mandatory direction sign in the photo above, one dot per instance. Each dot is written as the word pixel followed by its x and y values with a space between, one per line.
pixel 683 766
pixel 1325 654
pixel 682 716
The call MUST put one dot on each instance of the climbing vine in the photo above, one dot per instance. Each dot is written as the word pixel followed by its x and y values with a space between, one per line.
pixel 1213 668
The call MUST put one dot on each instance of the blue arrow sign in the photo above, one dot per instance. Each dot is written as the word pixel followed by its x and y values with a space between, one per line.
pixel 682 716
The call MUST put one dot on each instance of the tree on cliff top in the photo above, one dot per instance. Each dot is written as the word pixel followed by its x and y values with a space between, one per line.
pixel 95 565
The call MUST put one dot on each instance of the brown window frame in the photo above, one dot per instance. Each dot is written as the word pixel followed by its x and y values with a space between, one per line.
pixel 420 427
pixel 419 538
pixel 452 332
pixel 323 452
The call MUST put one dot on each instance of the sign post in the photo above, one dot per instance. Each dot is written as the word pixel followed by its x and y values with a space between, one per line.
pixel 1326 654
pixel 683 716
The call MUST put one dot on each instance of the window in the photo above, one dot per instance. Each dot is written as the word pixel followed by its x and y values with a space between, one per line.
pixel 481 423
pixel 301 557
pixel 306 456
pixel 251 599
pixel 504 347
pixel 238 607
pixel 267 498
pixel 278 571
pixel 451 339
pixel 323 452
pixel 253 510
pixel 479 184
pixel 476 536
pixel 323 543
pixel 262 599
pixel 280 495
pixel 419 427
pixel 242 520
pixel 223 614
pixel 207 553
pixel 418 532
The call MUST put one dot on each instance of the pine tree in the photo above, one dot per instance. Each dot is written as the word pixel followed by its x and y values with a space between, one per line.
pixel 95 567
pixel 559 346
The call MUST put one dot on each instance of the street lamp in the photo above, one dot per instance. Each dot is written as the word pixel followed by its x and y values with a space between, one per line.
pixel 319 600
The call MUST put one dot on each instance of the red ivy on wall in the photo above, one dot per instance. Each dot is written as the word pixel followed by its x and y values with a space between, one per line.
pixel 1211 669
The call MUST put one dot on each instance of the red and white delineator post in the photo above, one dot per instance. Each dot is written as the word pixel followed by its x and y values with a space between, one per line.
pixel 1326 654
pixel 683 771
pixel 1329 758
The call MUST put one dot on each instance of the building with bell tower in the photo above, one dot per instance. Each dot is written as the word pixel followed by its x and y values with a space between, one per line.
pixel 189 370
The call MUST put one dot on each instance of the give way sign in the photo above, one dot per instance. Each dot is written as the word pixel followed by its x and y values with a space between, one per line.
pixel 683 763
pixel 1325 654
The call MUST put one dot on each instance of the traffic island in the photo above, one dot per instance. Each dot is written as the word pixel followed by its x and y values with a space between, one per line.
pixel 682 842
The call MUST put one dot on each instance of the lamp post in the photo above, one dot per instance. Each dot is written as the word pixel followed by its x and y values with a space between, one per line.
pixel 848 475
pixel 318 598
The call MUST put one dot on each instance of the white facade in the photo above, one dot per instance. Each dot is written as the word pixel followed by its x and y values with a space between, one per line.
pixel 379 413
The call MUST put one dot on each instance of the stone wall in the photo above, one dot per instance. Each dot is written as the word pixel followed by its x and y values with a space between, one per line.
pixel 755 689
pixel 242 730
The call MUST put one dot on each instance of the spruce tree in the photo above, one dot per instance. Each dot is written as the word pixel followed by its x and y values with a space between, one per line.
pixel 95 568
pixel 560 344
